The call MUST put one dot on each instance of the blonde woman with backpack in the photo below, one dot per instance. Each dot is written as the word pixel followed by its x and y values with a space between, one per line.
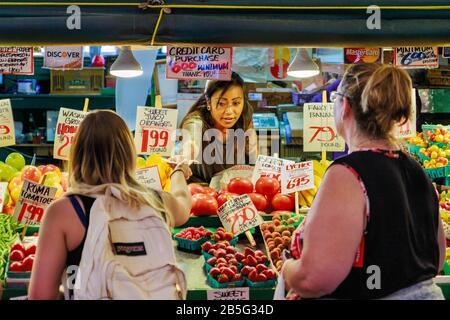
pixel 109 237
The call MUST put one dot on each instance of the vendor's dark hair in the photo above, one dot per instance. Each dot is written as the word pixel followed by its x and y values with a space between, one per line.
pixel 199 108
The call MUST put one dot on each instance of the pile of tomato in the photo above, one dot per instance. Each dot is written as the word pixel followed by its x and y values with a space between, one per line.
pixel 265 195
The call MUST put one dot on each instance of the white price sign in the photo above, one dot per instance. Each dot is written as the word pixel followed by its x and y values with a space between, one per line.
pixel 268 167
pixel 3 188
pixel 155 130
pixel 229 294
pixel 297 177
pixel 7 132
pixel 239 215
pixel 149 177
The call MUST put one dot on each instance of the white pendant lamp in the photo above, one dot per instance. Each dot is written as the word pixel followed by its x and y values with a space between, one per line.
pixel 126 66
pixel 303 66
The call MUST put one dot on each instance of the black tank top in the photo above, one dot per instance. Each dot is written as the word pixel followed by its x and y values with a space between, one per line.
pixel 401 233
pixel 74 256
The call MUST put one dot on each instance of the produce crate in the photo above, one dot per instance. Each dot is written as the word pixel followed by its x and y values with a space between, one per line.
pixel 422 158
pixel 85 81
pixel 444 181
pixel 215 284
pixel 446 268
pixel 16 275
pixel 266 284
pixel 441 172
pixel 190 245
pixel 413 149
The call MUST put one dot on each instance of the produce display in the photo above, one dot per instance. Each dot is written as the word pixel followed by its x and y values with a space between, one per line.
pixel 21 258
pixel 8 235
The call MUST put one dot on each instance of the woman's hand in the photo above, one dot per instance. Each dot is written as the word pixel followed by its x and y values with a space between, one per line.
pixel 180 163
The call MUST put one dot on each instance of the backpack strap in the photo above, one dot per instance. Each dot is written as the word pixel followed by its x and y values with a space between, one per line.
pixel 76 205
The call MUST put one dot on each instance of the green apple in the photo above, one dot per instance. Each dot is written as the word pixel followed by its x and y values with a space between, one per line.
pixel 7 172
pixel 15 160
pixel 51 178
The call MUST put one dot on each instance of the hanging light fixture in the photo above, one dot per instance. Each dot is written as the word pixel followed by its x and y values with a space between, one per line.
pixel 126 65
pixel 303 66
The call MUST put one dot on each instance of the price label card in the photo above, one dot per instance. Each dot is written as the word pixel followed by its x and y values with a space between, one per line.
pixel 416 57
pixel 268 167
pixel 149 177
pixel 320 132
pixel 33 200
pixel 3 188
pixel 155 130
pixel 239 215
pixel 297 177
pixel 229 294
pixel 68 122
pixel 16 60
pixel 7 132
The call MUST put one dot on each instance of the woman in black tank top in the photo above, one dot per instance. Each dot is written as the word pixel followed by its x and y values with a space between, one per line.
pixel 374 229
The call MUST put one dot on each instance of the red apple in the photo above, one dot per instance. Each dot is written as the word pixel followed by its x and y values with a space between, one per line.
pixel 31 173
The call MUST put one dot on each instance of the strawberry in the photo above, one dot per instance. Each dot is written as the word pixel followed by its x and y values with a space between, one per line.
pixel 207 246
pixel 239 256
pixel 211 261
pixel 228 272
pixel 252 276
pixel 260 268
pixel 230 249
pixel 234 268
pixel 261 278
pixel 220 253
pixel 246 270
pixel 217 237
pixel 248 252
pixel 251 261
pixel 221 246
pixel 261 259
pixel 222 278
pixel 221 265
pixel 212 252
pixel 259 253
pixel 233 262
pixel 270 274
pixel 229 256
pixel 237 277
pixel 222 260
pixel 228 236
pixel 214 272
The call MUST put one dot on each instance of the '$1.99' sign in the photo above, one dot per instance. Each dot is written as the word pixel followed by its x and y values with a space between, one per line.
pixel 154 138
pixel 33 212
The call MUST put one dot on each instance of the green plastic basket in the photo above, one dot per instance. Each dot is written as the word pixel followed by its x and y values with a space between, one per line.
pixel 422 158
pixel 413 149
pixel 439 144
pixel 446 268
pixel 190 245
pixel 266 284
pixel 16 275
pixel 215 284
pixel 441 172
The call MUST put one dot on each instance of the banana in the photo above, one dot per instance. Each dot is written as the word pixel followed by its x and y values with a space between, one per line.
pixel 317 181
pixel 308 197
pixel 301 200
pixel 319 170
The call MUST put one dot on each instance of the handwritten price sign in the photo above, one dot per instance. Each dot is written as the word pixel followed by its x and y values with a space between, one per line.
pixel 7 132
pixel 239 215
pixel 16 60
pixel 320 132
pixel 268 167
pixel 416 57
pixel 201 63
pixel 149 177
pixel 297 177
pixel 67 126
pixel 32 202
pixel 155 130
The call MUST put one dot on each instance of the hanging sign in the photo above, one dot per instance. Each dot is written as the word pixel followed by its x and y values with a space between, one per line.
pixel 297 177
pixel 16 60
pixel 446 52
pixel 358 55
pixel 239 214
pixel 409 128
pixel 149 177
pixel 33 200
pixel 279 59
pixel 416 57
pixel 155 130
pixel 68 122
pixel 63 57
pixel 199 63
pixel 7 132
pixel 271 167
pixel 319 128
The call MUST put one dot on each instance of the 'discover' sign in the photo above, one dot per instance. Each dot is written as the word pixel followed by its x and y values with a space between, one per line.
pixel 16 60
pixel 319 128
pixel 416 57
pixel 67 126
pixel 155 128
pixel 33 200
pixel 63 57
pixel 201 63
pixel 239 215
pixel 7 132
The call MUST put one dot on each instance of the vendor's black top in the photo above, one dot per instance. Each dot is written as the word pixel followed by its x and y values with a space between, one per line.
pixel 401 236
pixel 74 256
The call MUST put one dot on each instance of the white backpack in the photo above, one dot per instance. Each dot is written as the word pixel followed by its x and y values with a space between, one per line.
pixel 127 255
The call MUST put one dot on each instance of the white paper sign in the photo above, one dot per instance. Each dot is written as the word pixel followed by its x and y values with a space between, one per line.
pixel 32 202
pixel 7 132
pixel 63 57
pixel 409 128
pixel 229 294
pixel 67 126
pixel 3 188
pixel 268 167
pixel 239 215
pixel 320 132
pixel 416 57
pixel 297 177
pixel 155 130
pixel 16 60
pixel 149 177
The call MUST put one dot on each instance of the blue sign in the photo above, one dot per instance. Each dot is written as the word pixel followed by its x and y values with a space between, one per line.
pixel 446 52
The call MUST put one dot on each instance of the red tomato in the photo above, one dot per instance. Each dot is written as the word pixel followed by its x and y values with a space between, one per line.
pixel 240 186
pixel 16 267
pixel 204 205
pixel 195 188
pixel 267 186
pixel 210 192
pixel 16 255
pixel 259 201
pixel 224 197
pixel 283 202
